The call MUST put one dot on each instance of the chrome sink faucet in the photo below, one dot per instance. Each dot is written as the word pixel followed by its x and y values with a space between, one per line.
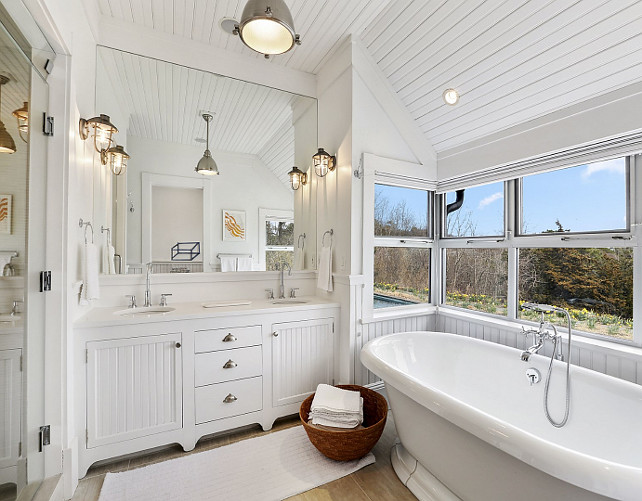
pixel 282 267
pixel 148 286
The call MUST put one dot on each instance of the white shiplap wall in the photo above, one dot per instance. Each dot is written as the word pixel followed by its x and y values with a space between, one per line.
pixel 322 25
pixel 511 61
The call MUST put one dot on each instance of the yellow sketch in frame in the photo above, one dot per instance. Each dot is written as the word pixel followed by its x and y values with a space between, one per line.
pixel 5 214
pixel 233 225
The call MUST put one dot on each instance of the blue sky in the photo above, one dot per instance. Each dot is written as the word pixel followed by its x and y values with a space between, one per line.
pixel 585 198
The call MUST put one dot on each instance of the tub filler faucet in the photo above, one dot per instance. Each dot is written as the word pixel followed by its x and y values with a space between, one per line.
pixel 542 333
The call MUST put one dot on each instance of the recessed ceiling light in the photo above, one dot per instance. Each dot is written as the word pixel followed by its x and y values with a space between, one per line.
pixel 451 96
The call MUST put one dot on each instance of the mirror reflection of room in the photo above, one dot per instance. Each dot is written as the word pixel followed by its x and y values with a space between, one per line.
pixel 243 214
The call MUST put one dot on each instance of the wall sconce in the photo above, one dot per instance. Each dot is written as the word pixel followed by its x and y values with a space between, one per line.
pixel 266 27
pixel 22 116
pixel 103 130
pixel 323 162
pixel 297 178
pixel 117 158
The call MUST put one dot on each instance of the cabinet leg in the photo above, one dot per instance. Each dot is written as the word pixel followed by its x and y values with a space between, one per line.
pixel 267 425
pixel 188 446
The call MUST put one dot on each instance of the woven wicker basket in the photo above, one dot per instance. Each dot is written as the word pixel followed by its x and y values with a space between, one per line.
pixel 346 445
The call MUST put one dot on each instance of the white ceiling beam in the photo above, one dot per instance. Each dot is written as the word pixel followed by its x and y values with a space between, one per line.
pixel 148 42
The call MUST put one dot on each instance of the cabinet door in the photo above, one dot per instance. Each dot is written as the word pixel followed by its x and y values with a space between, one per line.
pixel 10 396
pixel 134 388
pixel 302 354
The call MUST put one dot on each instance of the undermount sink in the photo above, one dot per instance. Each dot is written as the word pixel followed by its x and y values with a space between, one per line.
pixel 144 311
pixel 290 301
pixel 9 318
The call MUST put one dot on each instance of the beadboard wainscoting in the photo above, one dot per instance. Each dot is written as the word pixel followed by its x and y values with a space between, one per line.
pixel 618 360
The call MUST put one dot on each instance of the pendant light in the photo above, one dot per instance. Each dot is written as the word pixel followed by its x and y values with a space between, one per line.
pixel 7 144
pixel 207 165
pixel 22 116
pixel 266 26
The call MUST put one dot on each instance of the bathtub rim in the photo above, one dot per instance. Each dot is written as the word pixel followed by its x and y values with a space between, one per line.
pixel 598 475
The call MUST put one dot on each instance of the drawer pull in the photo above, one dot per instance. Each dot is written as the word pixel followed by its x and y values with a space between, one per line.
pixel 178 345
pixel 229 399
pixel 230 364
pixel 275 333
pixel 229 338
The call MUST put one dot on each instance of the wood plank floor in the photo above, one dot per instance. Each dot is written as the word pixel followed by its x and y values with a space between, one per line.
pixel 377 482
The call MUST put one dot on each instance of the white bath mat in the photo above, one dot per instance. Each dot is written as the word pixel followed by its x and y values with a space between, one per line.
pixel 272 467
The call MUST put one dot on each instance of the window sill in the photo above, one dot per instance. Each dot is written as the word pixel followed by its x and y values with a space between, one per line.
pixel 400 312
pixel 579 340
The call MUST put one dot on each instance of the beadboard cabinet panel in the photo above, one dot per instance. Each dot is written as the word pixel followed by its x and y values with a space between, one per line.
pixel 134 388
pixel 10 398
pixel 302 357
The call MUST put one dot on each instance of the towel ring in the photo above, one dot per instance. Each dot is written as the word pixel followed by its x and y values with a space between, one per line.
pixel 298 242
pixel 328 232
pixel 104 229
pixel 87 224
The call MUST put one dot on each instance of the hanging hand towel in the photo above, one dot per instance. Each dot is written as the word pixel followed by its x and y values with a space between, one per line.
pixel 325 269
pixel 299 259
pixel 5 259
pixel 90 266
pixel 111 253
pixel 228 263
pixel 244 264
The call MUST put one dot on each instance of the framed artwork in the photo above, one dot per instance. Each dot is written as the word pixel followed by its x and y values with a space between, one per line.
pixel 233 225
pixel 5 214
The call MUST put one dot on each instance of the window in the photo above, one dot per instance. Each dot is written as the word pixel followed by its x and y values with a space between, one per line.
pixel 586 198
pixel 594 284
pixel 401 256
pixel 477 279
pixel 481 212
pixel 277 240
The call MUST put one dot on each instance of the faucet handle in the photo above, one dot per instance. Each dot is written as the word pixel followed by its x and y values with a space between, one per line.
pixel 293 292
pixel 132 300
pixel 163 299
pixel 270 293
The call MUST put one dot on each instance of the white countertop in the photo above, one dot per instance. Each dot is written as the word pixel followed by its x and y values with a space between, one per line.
pixel 103 317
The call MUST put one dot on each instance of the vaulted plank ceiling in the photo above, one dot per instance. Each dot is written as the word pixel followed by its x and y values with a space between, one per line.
pixel 164 102
pixel 323 25
pixel 510 60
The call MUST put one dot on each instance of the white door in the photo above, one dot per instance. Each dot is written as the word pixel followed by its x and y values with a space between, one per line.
pixel 134 388
pixel 302 354
pixel 10 403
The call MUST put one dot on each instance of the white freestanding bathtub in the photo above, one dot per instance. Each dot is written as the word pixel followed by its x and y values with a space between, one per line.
pixel 472 427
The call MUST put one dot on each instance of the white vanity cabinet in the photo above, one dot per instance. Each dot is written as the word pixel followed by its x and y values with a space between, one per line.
pixel 302 357
pixel 10 396
pixel 134 387
pixel 149 382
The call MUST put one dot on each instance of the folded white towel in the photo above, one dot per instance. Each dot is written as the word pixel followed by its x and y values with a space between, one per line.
pixel 331 398
pixel 336 424
pixel 244 264
pixel 90 266
pixel 325 269
pixel 228 263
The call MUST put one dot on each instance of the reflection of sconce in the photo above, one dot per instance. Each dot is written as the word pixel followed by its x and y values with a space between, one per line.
pixel 297 178
pixel 265 26
pixel 117 158
pixel 7 145
pixel 323 162
pixel 103 130
pixel 22 116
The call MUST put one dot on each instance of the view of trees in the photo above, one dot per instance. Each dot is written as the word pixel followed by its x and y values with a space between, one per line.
pixel 279 234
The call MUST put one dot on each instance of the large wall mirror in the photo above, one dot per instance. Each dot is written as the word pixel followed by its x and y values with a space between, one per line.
pixel 246 218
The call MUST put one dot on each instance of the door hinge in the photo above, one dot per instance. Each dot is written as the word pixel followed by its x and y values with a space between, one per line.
pixel 47 125
pixel 333 327
pixel 45 281
pixel 45 436
pixel 20 363
pixel 19 449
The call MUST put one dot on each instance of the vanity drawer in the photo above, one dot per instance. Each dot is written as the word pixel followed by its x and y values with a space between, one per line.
pixel 243 396
pixel 224 339
pixel 226 365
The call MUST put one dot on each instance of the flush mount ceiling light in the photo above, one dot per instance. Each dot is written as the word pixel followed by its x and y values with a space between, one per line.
pixel 266 26
pixel 101 128
pixel 206 165
pixel 7 144
pixel 22 116
pixel 117 158
pixel 323 162
pixel 297 178
pixel 451 96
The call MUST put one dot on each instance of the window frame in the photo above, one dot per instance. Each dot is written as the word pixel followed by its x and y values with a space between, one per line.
pixel 378 170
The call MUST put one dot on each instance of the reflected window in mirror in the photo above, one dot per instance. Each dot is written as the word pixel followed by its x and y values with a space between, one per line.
pixel 279 237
